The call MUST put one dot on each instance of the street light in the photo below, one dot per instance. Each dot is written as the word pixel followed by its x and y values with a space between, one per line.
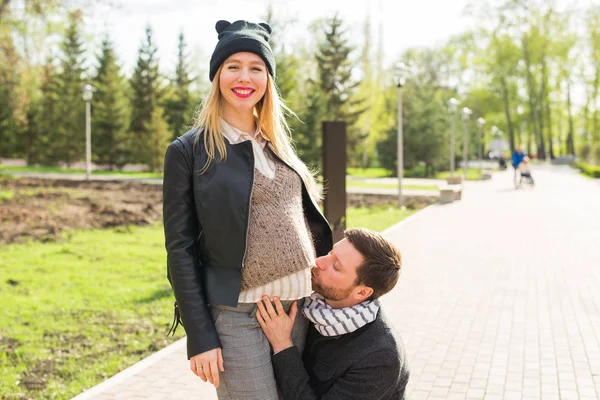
pixel 400 73
pixel 466 113
pixel 480 123
pixel 452 106
pixel 88 93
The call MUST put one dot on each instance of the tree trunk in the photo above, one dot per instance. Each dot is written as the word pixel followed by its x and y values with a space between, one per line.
pixel 506 101
pixel 549 127
pixel 595 133
pixel 3 8
pixel 543 104
pixel 570 141
pixel 532 104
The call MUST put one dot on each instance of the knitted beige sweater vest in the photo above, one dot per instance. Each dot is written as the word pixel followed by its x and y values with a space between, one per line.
pixel 279 242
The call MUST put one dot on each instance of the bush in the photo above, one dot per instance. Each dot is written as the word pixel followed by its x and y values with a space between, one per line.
pixel 593 171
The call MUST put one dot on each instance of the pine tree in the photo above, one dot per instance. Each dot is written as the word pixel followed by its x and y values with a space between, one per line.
pixel 336 83
pixel 309 134
pixel 146 96
pixel 302 99
pixel 69 136
pixel 158 139
pixel 109 108
pixel 8 84
pixel 335 73
pixel 179 107
pixel 41 146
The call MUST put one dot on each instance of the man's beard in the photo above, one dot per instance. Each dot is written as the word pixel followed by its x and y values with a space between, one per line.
pixel 330 292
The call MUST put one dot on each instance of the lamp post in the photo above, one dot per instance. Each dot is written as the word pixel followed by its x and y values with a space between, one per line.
pixel 466 113
pixel 480 123
pixel 495 131
pixel 452 106
pixel 88 92
pixel 399 79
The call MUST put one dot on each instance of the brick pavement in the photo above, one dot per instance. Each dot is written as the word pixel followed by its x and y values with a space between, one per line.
pixel 499 299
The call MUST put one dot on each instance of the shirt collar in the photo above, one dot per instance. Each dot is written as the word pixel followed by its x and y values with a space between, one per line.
pixel 235 135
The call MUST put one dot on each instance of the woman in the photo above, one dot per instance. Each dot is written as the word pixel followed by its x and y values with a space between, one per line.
pixel 240 217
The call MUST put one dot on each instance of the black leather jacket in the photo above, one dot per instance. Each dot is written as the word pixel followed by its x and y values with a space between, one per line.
pixel 206 222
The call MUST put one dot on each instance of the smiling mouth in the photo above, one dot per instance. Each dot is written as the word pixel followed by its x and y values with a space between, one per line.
pixel 243 93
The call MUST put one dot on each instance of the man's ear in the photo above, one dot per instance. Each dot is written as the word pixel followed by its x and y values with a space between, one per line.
pixel 363 293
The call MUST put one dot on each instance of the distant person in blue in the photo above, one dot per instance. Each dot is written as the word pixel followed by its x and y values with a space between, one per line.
pixel 517 157
pixel 520 163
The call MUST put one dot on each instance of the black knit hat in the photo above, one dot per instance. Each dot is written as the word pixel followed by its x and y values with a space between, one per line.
pixel 242 36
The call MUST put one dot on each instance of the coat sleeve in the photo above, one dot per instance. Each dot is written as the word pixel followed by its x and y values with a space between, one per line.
pixel 373 378
pixel 182 230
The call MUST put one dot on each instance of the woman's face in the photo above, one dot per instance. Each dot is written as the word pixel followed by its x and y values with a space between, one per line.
pixel 243 81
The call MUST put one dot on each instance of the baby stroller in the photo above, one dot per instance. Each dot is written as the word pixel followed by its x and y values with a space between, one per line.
pixel 524 173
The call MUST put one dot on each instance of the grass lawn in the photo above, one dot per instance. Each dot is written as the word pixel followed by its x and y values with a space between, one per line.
pixel 6 195
pixel 78 311
pixel 11 168
pixel 473 174
pixel 416 172
pixel 376 218
pixel 589 170
pixel 368 172
pixel 388 185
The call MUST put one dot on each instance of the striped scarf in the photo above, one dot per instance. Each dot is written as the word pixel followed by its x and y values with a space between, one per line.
pixel 338 321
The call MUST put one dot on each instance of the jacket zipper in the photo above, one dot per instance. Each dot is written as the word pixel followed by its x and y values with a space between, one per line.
pixel 249 208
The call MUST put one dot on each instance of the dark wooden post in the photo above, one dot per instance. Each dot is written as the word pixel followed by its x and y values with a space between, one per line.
pixel 334 176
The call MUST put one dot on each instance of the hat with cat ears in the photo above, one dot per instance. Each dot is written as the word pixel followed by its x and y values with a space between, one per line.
pixel 242 36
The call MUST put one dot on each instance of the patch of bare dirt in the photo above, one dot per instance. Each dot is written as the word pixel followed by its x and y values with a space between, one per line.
pixel 36 378
pixel 42 209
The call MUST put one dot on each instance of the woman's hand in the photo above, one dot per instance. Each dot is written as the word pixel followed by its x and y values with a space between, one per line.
pixel 207 365
pixel 276 325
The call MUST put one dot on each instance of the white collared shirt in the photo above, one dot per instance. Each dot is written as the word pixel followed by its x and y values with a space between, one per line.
pixel 290 287
pixel 262 161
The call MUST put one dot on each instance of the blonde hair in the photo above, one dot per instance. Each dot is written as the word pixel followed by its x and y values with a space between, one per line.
pixel 271 118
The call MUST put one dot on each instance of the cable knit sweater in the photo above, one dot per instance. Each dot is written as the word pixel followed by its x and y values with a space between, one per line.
pixel 279 242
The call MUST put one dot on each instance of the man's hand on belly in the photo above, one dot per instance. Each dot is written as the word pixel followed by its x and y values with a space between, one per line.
pixel 275 323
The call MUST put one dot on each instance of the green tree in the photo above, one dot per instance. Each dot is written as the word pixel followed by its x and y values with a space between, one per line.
pixel 334 75
pixel 41 130
pixel 70 133
pixel 425 116
pixel 8 89
pixel 592 108
pixel 146 96
pixel 294 67
pixel 179 106
pixel 158 139
pixel 27 37
pixel 109 107
pixel 369 123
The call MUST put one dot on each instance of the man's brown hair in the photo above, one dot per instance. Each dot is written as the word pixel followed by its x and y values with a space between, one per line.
pixel 382 260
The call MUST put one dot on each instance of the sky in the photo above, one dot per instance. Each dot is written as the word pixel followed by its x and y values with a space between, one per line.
pixel 404 24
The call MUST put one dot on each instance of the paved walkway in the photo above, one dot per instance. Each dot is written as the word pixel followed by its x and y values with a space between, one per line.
pixel 499 299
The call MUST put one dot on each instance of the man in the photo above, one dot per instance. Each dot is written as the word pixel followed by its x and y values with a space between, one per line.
pixel 350 352
pixel 518 156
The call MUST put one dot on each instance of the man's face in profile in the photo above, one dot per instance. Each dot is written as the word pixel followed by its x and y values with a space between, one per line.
pixel 334 275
